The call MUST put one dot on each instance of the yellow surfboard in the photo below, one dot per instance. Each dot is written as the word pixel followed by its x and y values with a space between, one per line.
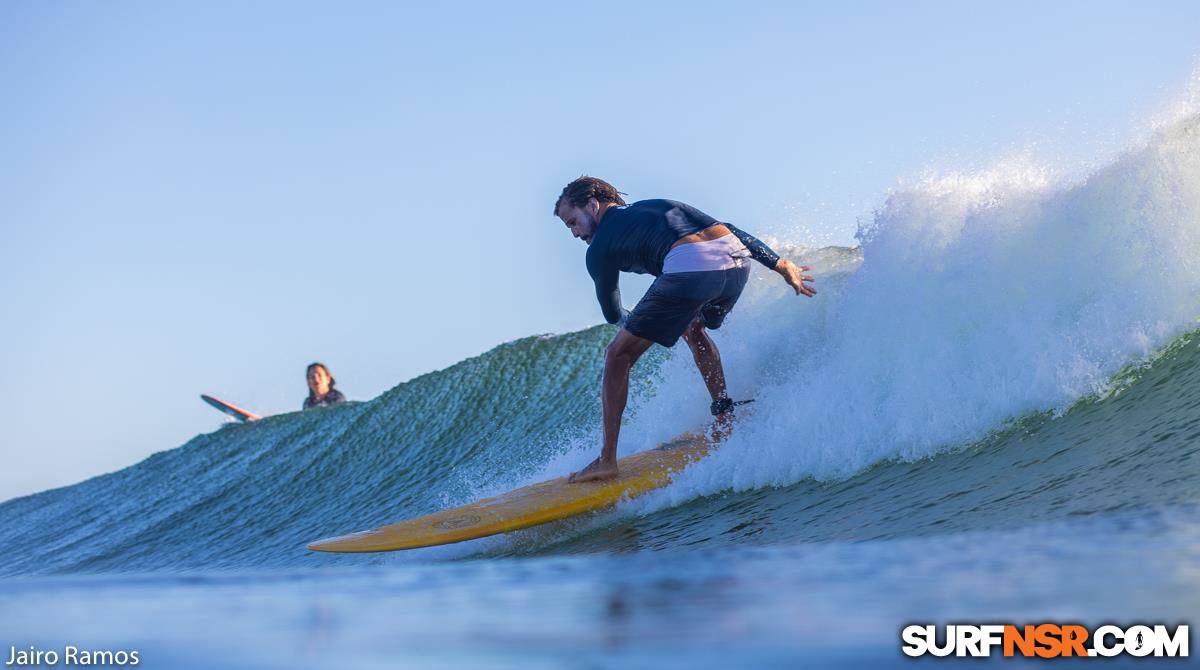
pixel 529 506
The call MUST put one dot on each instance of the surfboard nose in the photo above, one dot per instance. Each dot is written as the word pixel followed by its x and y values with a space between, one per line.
pixel 354 542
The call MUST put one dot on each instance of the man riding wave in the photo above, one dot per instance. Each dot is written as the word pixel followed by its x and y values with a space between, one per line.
pixel 701 268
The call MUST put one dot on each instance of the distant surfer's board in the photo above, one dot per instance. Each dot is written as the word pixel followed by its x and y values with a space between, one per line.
pixel 232 410
pixel 529 506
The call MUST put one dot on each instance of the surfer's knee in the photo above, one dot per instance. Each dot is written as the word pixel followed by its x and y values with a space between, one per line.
pixel 617 356
pixel 624 350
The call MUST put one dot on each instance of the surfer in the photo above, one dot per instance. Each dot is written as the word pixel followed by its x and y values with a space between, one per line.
pixel 701 268
pixel 321 391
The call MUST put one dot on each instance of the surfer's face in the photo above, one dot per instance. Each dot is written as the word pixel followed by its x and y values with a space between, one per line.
pixel 318 380
pixel 581 221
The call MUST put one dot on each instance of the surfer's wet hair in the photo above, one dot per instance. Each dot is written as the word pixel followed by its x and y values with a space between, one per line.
pixel 578 192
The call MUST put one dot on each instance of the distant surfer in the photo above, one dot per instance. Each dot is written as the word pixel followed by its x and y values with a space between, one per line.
pixel 701 268
pixel 321 391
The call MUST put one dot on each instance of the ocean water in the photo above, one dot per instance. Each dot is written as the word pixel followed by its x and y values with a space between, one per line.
pixel 991 412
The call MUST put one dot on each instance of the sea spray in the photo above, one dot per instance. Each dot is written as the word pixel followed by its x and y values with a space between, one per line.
pixel 980 298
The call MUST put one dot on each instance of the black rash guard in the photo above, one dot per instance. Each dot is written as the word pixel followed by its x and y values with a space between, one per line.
pixel 637 237
pixel 334 397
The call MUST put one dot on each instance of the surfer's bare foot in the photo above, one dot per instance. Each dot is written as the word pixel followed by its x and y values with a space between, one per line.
pixel 597 470
pixel 722 426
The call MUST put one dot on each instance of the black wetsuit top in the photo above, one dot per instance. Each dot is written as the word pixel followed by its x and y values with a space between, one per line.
pixel 332 398
pixel 637 237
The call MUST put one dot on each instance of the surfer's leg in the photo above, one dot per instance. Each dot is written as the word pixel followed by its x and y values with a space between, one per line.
pixel 704 350
pixel 625 349
pixel 707 357
pixel 712 315
pixel 708 361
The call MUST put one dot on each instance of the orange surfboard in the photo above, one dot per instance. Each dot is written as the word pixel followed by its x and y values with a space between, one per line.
pixel 232 410
pixel 529 506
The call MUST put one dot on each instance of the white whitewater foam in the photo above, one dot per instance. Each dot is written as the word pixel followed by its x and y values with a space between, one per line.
pixel 980 298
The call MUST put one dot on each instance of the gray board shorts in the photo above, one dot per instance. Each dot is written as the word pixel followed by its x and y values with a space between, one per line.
pixel 675 299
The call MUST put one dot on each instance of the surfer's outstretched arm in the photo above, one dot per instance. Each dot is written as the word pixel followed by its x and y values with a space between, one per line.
pixel 792 274
pixel 758 249
pixel 625 349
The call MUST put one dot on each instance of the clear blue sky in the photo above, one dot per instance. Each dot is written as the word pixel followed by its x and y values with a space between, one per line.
pixel 204 197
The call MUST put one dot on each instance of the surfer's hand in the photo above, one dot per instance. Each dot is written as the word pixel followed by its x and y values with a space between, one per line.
pixel 794 275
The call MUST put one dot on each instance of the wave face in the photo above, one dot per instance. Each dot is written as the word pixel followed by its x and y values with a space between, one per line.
pixel 255 494
pixel 1003 348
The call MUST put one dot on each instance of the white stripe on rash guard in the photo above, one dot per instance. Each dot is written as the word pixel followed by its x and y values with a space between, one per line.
pixel 722 253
